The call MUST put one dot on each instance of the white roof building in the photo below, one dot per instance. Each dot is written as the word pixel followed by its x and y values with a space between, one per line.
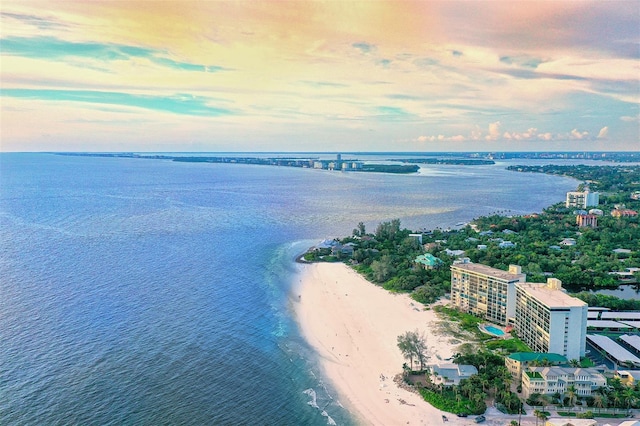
pixel 549 320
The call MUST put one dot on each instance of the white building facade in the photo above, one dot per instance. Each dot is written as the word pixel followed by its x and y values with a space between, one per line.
pixel 549 380
pixel 484 291
pixel 549 320
pixel 582 199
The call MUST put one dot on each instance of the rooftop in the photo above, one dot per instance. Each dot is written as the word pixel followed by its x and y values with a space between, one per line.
pixel 613 349
pixel 632 340
pixel 537 356
pixel 621 315
pixel 481 269
pixel 606 324
pixel 550 297
pixel 428 259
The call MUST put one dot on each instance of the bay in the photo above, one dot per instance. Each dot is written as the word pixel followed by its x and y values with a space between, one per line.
pixel 138 291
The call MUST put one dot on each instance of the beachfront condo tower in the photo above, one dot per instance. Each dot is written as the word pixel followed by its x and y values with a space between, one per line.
pixel 486 292
pixel 549 320
pixel 582 199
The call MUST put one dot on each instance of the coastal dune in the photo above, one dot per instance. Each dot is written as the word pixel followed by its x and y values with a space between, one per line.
pixel 353 325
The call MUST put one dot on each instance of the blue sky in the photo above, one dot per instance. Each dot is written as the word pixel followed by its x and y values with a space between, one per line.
pixel 320 76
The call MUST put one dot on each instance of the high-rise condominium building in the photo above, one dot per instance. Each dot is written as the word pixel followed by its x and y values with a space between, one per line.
pixel 484 291
pixel 549 320
pixel 582 199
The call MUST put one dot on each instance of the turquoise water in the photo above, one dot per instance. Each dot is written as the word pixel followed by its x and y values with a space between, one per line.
pixel 493 330
pixel 153 292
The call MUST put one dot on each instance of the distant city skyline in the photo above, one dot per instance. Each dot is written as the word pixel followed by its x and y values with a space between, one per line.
pixel 336 76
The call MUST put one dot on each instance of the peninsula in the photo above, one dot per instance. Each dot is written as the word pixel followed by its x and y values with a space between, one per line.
pixel 355 325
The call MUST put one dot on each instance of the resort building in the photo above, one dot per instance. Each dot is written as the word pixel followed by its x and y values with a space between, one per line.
pixel 549 380
pixel 484 291
pixel 582 199
pixel 451 374
pixel 549 320
pixel 518 362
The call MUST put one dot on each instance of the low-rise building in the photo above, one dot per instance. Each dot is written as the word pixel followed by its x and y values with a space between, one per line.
pixel 451 374
pixel 428 261
pixel 517 362
pixel 549 380
pixel 623 213
pixel 628 377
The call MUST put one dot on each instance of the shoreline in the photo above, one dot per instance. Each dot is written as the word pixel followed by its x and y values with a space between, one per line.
pixel 353 325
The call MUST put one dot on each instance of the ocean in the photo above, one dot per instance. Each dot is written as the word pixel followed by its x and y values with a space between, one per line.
pixel 150 292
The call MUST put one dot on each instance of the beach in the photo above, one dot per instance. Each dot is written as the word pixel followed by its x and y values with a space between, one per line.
pixel 353 325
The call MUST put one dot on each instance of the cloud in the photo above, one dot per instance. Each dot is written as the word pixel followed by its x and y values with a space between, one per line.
pixel 393 113
pixel 440 138
pixel 183 104
pixel 522 61
pixel 531 134
pixel 576 134
pixel 494 131
pixel 56 49
pixel 364 47
pixel 629 118
pixel 602 134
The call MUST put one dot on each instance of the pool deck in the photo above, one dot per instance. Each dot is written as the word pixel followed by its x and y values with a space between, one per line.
pixel 483 328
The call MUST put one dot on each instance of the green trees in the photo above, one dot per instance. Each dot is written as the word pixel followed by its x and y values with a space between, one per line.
pixel 383 269
pixel 413 345
pixel 572 396
pixel 540 415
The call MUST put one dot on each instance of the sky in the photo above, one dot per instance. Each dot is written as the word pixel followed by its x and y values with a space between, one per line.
pixel 320 76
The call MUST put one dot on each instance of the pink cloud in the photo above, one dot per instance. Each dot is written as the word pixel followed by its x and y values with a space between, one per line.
pixel 603 133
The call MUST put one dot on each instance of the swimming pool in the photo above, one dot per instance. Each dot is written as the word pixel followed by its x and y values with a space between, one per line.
pixel 494 330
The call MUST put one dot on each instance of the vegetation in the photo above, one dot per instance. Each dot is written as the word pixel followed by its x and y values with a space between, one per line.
pixel 413 345
pixel 450 161
pixel 493 380
pixel 452 401
pixel 387 256
pixel 389 168
pixel 507 346
pixel 611 302
pixel 599 178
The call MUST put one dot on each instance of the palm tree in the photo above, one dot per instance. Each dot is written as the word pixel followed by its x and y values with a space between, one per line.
pixel 574 362
pixel 537 414
pixel 598 401
pixel 544 400
pixel 617 399
pixel 542 416
pixel 572 394
pixel 629 397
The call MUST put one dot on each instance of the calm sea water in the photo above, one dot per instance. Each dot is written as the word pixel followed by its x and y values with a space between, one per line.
pixel 152 292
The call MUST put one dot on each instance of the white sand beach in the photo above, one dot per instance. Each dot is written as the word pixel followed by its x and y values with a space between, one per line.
pixel 354 326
